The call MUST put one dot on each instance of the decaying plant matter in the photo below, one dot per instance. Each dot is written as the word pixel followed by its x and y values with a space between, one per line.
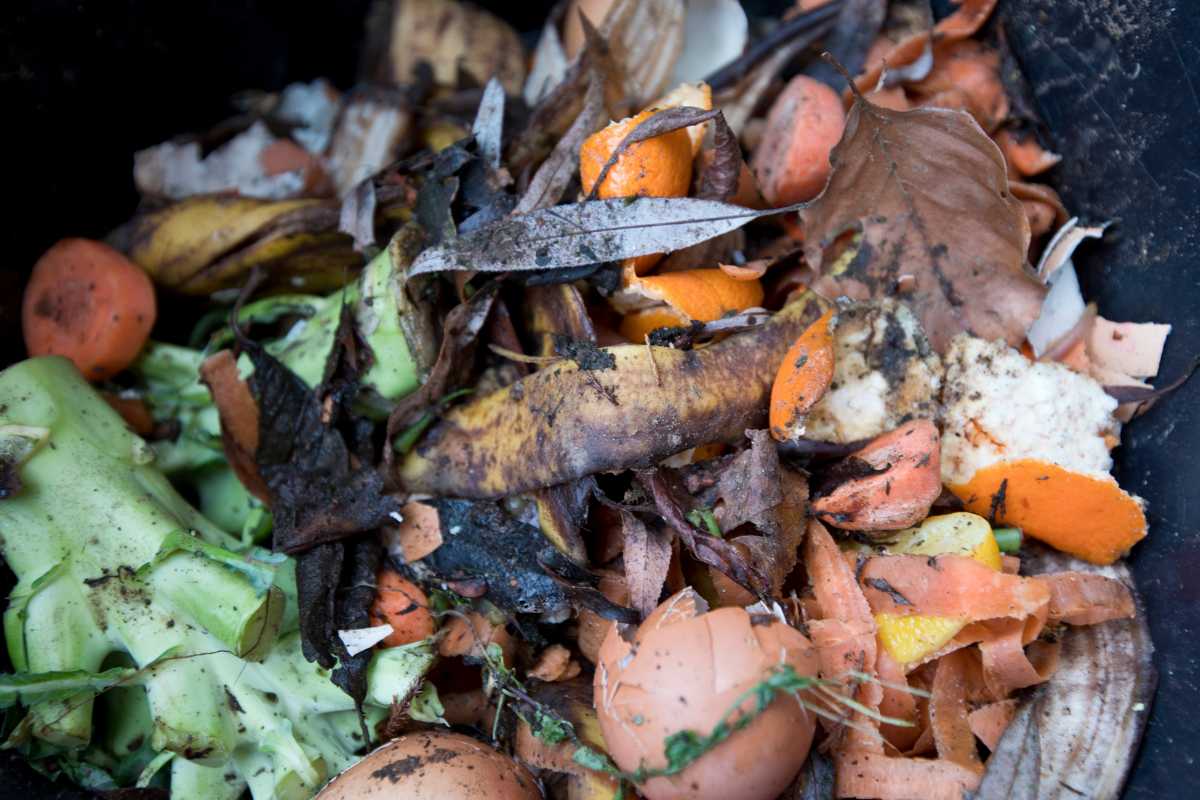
pixel 662 407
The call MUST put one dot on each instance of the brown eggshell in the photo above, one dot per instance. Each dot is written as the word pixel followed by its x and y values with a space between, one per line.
pixel 683 669
pixel 434 765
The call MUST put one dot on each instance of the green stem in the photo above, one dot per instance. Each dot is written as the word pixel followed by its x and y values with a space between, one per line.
pixel 1008 539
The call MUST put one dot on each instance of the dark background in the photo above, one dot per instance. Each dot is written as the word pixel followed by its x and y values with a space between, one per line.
pixel 84 84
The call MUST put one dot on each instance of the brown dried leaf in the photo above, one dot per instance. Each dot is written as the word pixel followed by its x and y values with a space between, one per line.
pixel 550 181
pixel 719 180
pixel 928 191
pixel 647 556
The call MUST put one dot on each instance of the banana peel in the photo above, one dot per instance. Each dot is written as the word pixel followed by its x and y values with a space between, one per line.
pixel 563 422
pixel 211 242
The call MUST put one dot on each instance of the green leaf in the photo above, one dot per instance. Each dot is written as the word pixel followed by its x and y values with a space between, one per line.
pixel 593 759
pixel 256 565
pixel 35 687
pixel 684 747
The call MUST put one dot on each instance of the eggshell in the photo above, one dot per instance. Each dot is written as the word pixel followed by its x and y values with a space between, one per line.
pixel 434 765
pixel 683 669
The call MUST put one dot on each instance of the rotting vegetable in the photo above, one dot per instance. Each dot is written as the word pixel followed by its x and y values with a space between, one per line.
pixel 122 584
pixel 714 450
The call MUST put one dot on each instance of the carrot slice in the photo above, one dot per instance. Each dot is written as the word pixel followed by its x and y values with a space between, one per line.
pixel 989 722
pixel 89 303
pixel 802 379
pixel 1086 516
pixel 950 586
pixel 865 774
pixel 1081 598
pixel 948 713
pixel 1006 665
pixel 401 604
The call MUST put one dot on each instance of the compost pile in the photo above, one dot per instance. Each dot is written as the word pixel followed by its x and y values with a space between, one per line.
pixel 666 404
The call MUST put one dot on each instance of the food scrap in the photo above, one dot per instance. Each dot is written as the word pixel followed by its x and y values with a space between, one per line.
pixel 641 406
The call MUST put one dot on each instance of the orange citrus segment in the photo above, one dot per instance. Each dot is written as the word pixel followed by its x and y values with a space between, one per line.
pixel 1087 516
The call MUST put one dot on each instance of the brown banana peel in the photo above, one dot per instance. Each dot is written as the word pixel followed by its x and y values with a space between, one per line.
pixel 211 242
pixel 562 422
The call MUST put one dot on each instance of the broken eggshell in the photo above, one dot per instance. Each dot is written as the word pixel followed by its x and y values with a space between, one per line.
pixel 684 668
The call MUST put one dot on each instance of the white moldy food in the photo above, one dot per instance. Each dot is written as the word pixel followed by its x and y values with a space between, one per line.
pixel 885 373
pixel 1000 406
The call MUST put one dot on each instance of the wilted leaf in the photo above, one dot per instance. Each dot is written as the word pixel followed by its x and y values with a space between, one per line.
pixel 587 233
pixel 704 547
pixel 357 217
pixel 928 192
pixel 647 554
pixel 548 67
pixel 317 494
pixel 562 423
pixel 488 127
pixel 455 357
pixel 552 177
pixel 719 180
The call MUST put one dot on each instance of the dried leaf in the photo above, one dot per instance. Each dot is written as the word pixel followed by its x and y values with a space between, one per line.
pixel 587 233
pixel 549 66
pixel 552 177
pixel 660 122
pixel 704 547
pixel 317 494
pixel 719 180
pixel 488 127
pixel 455 357
pixel 647 555
pixel 749 486
pixel 357 217
pixel 928 192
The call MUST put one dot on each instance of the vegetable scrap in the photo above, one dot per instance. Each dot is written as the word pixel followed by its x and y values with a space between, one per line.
pixel 660 411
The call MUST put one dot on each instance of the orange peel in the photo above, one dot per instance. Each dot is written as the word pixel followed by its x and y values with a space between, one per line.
pixel 802 379
pixel 1088 516
pixel 675 298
